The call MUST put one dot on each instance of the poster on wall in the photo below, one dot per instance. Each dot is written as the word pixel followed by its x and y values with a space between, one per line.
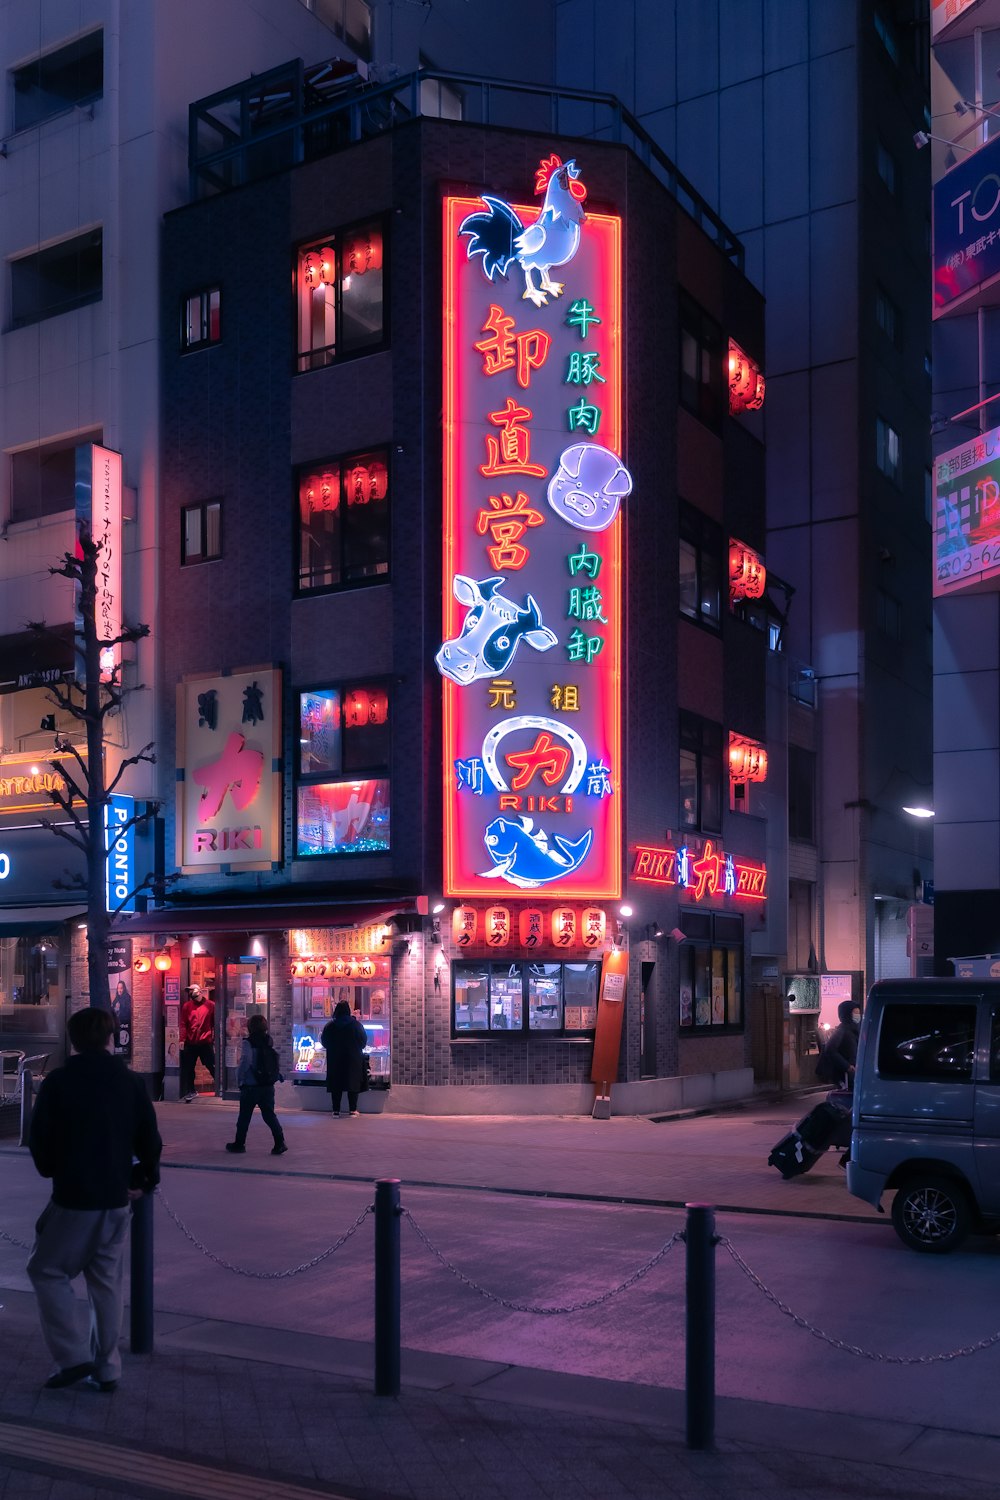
pixel 120 994
pixel 967 516
pixel 534 485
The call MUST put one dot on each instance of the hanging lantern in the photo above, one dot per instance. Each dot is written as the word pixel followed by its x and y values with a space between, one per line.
pixel 142 964
pixel 319 268
pixel 593 926
pixel 378 706
pixel 464 923
pixel 747 573
pixel 363 252
pixel 356 707
pixel 497 926
pixel 531 928
pixel 366 482
pixel 747 760
pixel 564 927
pixel 163 963
pixel 746 383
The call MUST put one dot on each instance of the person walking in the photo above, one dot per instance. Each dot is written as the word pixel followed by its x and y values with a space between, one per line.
pixel 840 1051
pixel 344 1040
pixel 197 1029
pixel 256 1075
pixel 93 1132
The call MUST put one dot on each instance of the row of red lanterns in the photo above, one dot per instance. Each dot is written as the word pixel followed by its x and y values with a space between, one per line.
pixel 566 927
pixel 320 493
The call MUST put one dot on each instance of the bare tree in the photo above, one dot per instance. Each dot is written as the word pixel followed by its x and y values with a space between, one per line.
pixel 87 792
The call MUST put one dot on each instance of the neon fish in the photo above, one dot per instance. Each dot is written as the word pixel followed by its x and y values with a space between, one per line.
pixel 528 859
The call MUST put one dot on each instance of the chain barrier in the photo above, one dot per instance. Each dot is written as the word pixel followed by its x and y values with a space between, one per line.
pixel 835 1343
pixel 13 1240
pixel 227 1265
pixel 528 1307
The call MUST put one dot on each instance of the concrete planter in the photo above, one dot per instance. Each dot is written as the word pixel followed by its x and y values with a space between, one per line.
pixel 372 1101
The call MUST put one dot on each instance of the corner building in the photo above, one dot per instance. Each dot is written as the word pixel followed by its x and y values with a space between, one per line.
pixel 464 719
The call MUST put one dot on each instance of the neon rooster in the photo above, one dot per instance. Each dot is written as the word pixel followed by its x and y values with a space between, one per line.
pixel 552 240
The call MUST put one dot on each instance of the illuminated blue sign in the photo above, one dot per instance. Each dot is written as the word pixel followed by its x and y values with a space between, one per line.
pixel 119 841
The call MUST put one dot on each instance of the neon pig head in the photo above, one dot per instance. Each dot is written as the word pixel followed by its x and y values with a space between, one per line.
pixel 588 486
pixel 491 632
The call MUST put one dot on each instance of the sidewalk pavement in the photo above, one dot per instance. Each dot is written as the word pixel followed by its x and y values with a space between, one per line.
pixel 227 1407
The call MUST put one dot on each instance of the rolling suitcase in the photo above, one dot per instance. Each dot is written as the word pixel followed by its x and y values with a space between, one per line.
pixel 822 1126
pixel 793 1156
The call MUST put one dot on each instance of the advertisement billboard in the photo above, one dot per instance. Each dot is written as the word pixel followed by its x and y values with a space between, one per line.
pixel 967 516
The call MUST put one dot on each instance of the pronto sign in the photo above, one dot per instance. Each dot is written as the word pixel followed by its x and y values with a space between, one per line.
pixel 967 515
pixel 533 485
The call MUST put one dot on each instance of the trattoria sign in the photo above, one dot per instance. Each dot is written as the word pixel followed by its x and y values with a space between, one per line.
pixel 702 873
pixel 533 487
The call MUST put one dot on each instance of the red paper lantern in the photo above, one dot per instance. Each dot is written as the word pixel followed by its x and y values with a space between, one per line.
pixel 319 493
pixel 747 573
pixel 747 760
pixel 464 924
pixel 163 963
pixel 366 482
pixel 746 383
pixel 319 268
pixel 142 964
pixel 363 252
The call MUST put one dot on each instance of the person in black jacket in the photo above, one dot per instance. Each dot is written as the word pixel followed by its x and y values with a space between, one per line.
pixel 344 1040
pixel 93 1131
pixel 840 1054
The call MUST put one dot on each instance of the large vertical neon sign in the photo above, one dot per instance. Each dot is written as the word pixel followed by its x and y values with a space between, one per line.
pixel 533 486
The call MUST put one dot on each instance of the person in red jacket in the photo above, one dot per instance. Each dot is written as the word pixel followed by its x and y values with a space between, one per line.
pixel 197 1028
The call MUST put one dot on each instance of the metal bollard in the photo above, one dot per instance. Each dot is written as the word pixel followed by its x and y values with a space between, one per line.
pixel 701 1240
pixel 141 1273
pixel 387 1214
pixel 27 1103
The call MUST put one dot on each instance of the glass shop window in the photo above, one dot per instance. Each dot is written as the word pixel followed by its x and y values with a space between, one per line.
pixel 201 322
pixel 699 566
pixel 339 292
pixel 313 1000
pixel 343 520
pixel 524 997
pixel 342 798
pixel 711 973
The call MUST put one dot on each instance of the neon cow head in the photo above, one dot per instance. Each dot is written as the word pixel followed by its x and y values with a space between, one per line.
pixel 588 486
pixel 491 631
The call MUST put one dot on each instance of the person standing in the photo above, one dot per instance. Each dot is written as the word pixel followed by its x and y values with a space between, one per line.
pixel 197 1029
pixel 93 1132
pixel 344 1040
pixel 840 1052
pixel 256 1075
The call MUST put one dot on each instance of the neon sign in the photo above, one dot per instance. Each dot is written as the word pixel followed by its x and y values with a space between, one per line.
pixel 702 873
pixel 533 488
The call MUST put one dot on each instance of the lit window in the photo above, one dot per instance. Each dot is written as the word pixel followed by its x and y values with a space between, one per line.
pixel 56 280
pixel 52 84
pixel 343 801
pixel 200 320
pixel 339 287
pixel 711 972
pixel 343 517
pixel 521 997
pixel 887 453
pixel 201 532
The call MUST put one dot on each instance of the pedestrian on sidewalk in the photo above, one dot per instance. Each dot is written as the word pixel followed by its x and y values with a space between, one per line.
pixel 197 1028
pixel 93 1131
pixel 256 1075
pixel 344 1040
pixel 840 1052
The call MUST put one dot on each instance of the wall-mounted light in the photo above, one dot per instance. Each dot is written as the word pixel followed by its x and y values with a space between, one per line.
pixel 257 948
pixel 142 964
pixel 625 910
pixel 919 812
pixel 437 908
pixel 653 931
pixel 195 947
pixel 163 963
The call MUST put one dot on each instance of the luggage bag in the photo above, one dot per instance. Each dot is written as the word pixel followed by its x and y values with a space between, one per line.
pixel 793 1156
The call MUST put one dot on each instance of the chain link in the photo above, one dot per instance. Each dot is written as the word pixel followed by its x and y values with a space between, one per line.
pixel 828 1338
pixel 528 1307
pixel 13 1240
pixel 227 1265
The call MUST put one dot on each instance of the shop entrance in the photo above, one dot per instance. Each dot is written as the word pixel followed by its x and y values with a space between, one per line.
pixel 245 994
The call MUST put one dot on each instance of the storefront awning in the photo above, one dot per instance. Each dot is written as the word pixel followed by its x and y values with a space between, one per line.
pixel 33 921
pixel 197 919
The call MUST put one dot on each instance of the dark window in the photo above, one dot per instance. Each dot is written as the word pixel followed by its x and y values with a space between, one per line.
pixel 887 316
pixel 43 479
pixel 201 532
pixel 711 972
pixel 339 292
pixel 887 451
pixel 343 520
pixel 524 997
pixel 801 794
pixel 886 164
pixel 927 1041
pixel 343 802
pixel 700 799
pixel 800 924
pixel 200 319
pixel 699 566
pixel 73 74
pixel 995 1047
pixel 703 388
pixel 889 615
pixel 351 20
pixel 56 280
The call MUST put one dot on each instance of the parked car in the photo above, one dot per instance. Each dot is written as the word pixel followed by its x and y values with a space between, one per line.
pixel 926 1116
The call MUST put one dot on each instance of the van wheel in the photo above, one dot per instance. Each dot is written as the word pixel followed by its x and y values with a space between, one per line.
pixel 931 1214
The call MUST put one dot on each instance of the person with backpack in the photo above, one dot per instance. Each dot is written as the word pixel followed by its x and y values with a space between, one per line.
pixel 840 1051
pixel 256 1075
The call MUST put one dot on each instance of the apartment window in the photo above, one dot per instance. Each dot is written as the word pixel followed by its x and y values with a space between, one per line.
pixel 801 894
pixel 887 454
pixel 801 794
pixel 711 973
pixel 339 292
pixel 699 566
pixel 534 998
pixel 700 792
pixel 342 795
pixel 889 615
pixel 886 164
pixel 200 319
pixel 887 316
pixel 43 478
pixel 886 33
pixel 703 388
pixel 343 520
pixel 351 20
pixel 56 280
pixel 52 84
pixel 201 532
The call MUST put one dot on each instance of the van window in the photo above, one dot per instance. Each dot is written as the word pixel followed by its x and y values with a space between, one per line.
pixel 995 1047
pixel 927 1042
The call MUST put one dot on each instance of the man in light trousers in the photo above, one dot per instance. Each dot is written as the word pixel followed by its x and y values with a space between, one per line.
pixel 93 1131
